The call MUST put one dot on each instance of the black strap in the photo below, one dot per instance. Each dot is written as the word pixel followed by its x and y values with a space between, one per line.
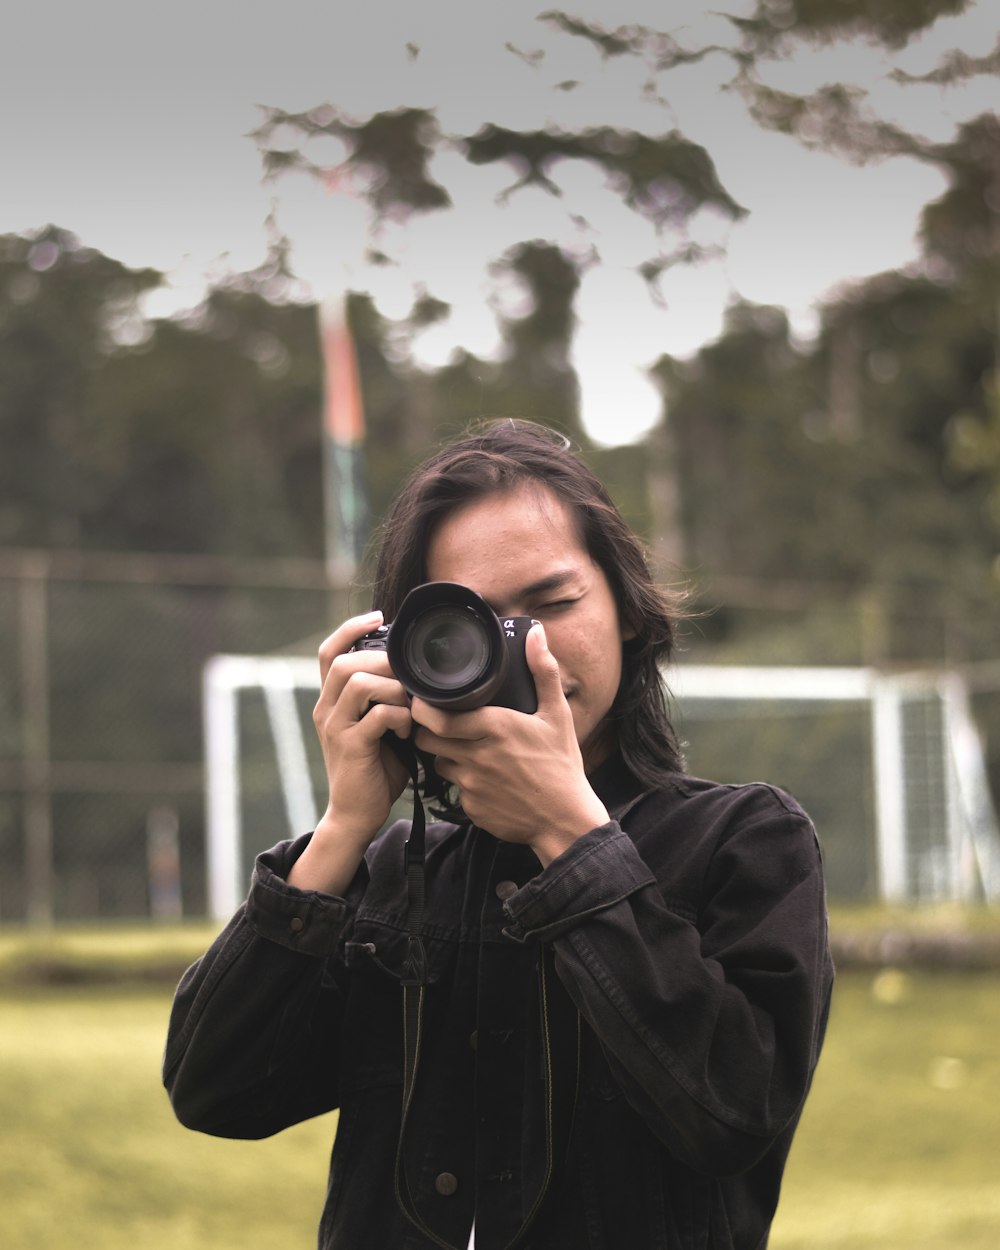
pixel 414 985
pixel 414 853
pixel 413 1019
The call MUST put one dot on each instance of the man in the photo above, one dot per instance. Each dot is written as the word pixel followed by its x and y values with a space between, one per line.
pixel 623 976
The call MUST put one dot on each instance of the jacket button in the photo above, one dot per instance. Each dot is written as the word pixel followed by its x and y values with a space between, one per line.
pixel 505 889
pixel 446 1184
pixel 296 924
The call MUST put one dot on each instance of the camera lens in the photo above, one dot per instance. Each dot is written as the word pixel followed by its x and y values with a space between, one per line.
pixel 447 648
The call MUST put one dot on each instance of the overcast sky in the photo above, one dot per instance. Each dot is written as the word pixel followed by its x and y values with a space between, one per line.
pixel 127 122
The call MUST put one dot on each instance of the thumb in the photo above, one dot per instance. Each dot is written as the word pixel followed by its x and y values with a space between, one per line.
pixel 544 666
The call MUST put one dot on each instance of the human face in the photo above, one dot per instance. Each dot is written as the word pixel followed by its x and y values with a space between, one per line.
pixel 521 551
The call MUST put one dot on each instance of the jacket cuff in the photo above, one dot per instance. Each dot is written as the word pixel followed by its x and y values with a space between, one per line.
pixel 597 871
pixel 301 920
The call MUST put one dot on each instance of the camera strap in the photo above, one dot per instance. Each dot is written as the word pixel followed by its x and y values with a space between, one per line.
pixel 414 987
pixel 414 853
pixel 414 979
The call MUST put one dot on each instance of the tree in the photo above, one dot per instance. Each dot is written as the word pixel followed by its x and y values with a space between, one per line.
pixel 664 180
pixel 197 434
pixel 67 311
pixel 962 231
pixel 834 467
pixel 394 157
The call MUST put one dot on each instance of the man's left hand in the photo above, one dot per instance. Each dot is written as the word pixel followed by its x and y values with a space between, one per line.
pixel 520 777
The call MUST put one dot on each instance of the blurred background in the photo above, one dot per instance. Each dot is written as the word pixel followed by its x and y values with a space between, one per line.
pixel 747 259
pixel 253 267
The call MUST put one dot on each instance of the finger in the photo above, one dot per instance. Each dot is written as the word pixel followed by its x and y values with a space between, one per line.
pixel 432 743
pixel 342 668
pixel 344 638
pixel 384 718
pixel 544 668
pixel 461 726
pixel 344 703
pixel 445 767
pixel 363 691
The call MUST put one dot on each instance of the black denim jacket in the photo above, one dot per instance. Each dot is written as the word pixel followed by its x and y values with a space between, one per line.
pixel 614 1050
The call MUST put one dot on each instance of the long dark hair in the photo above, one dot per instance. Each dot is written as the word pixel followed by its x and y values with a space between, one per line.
pixel 509 453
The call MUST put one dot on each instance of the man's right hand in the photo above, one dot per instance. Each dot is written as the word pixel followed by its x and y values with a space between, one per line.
pixel 359 702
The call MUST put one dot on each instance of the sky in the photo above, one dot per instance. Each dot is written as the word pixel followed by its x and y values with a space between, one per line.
pixel 128 124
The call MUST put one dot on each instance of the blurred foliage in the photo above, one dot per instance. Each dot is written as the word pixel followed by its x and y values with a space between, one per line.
pixel 889 425
pixel 63 312
pixel 773 22
pixel 665 177
pixel 868 460
pixel 840 498
pixel 393 149
pixel 891 22
pixel 172 435
pixel 851 464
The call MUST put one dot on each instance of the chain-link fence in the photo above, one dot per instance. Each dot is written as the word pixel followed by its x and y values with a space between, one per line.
pixel 101 773
pixel 102 788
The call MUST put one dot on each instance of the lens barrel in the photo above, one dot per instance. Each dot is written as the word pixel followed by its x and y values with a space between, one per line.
pixel 447 646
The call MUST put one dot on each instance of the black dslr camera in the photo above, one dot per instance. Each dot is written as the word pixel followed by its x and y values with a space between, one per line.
pixel 448 647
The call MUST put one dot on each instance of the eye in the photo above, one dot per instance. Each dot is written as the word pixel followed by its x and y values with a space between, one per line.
pixel 557 605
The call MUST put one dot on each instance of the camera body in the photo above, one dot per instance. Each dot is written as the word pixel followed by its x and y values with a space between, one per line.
pixel 447 647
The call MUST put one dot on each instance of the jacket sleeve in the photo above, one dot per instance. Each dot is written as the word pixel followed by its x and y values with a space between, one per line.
pixel 251 1045
pixel 711 1016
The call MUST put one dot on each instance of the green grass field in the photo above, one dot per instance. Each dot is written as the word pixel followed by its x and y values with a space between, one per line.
pixel 898 1149
pixel 90 1154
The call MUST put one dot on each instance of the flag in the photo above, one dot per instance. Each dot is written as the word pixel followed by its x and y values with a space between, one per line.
pixel 345 491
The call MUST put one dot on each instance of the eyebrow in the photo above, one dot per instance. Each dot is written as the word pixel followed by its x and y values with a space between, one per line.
pixel 543 586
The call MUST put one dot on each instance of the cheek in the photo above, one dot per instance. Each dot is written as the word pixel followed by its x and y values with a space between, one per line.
pixel 607 655
pixel 591 656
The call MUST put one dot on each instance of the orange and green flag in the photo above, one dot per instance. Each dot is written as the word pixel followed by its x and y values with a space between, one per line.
pixel 345 491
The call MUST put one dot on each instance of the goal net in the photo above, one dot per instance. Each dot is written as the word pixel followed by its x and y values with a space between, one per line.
pixel 889 765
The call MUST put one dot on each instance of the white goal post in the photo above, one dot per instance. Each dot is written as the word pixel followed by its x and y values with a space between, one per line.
pixel 965 855
pixel 223 678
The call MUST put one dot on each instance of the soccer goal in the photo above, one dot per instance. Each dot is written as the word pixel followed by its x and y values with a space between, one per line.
pixel 890 765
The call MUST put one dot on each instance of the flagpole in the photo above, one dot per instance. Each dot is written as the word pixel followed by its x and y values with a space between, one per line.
pixel 346 513
pixel 330 238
